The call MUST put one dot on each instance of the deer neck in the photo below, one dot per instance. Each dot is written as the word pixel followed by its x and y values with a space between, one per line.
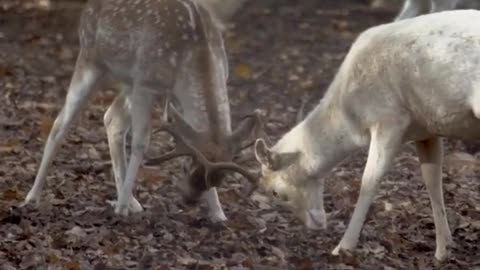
pixel 202 87
pixel 324 138
pixel 204 104
pixel 215 88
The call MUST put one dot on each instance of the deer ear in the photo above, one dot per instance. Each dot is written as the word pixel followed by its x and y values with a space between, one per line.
pixel 265 156
pixel 286 159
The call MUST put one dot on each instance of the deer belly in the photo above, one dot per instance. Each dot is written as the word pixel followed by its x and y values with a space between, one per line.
pixel 460 125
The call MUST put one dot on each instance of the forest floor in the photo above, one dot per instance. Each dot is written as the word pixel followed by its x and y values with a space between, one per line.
pixel 278 50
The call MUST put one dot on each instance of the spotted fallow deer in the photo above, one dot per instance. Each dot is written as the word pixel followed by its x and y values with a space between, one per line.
pixel 412 80
pixel 156 49
pixel 412 8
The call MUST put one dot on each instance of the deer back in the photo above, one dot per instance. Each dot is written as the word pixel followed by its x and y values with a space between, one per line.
pixel 425 67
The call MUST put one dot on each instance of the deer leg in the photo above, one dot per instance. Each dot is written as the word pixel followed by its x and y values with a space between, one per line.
pixel 430 153
pixel 384 143
pixel 141 108
pixel 314 215
pixel 81 86
pixel 413 8
pixel 117 122
pixel 215 211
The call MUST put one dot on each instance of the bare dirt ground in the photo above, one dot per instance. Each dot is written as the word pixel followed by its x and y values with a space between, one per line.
pixel 279 50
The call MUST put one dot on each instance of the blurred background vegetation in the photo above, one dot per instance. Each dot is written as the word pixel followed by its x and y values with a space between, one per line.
pixel 7 5
pixel 48 4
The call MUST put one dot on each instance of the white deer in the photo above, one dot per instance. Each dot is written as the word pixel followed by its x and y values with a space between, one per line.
pixel 412 80
pixel 156 49
pixel 413 8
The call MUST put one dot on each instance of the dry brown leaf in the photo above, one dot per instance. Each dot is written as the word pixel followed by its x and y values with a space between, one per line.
pixel 305 264
pixel 45 127
pixel 12 195
pixel 5 71
pixel 243 71
pixel 11 146
pixel 8 149
pixel 341 25
pixel 71 265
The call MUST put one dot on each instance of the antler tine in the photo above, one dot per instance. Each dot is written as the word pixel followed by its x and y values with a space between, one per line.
pixel 251 122
pixel 184 148
pixel 179 151
pixel 219 166
pixel 260 129
pixel 187 130
pixel 211 167
pixel 165 110
pixel 166 157
pixel 301 110
pixel 171 111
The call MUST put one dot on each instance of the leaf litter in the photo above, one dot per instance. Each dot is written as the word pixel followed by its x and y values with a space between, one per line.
pixel 274 61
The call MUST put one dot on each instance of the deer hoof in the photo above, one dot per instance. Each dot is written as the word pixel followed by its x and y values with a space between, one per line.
pixel 316 220
pixel 31 199
pixel 133 207
pixel 441 255
pixel 217 217
pixel 336 251
pixel 121 210
pixel 343 247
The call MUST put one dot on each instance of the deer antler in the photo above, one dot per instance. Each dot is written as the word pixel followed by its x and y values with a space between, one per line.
pixel 301 110
pixel 251 122
pixel 185 148
pixel 180 149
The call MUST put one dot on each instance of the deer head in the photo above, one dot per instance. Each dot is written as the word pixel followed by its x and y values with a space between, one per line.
pixel 286 173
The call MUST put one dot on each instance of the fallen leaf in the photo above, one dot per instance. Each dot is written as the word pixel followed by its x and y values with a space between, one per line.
pixel 243 71
pixel 11 146
pixel 12 195
pixel 45 127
